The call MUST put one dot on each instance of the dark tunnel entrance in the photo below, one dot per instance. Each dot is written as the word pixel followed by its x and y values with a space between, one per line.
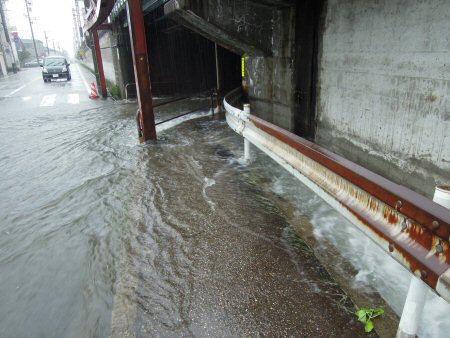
pixel 184 62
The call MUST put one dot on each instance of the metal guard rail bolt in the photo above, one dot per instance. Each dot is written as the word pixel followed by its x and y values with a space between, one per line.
pixel 412 228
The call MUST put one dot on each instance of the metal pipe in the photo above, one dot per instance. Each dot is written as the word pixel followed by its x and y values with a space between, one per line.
pixel 126 89
pixel 98 58
pixel 412 310
pixel 94 57
pixel 141 67
pixel 247 150
pixel 218 89
pixel 139 126
pixel 170 101
pixel 418 290
pixel 181 115
pixel 212 102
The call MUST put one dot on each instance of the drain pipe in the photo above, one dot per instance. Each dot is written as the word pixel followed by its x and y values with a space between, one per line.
pixel 417 293
pixel 247 150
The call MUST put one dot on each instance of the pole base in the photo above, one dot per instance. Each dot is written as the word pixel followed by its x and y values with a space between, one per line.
pixel 401 334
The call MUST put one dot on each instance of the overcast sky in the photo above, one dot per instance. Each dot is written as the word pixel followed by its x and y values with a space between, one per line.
pixel 52 16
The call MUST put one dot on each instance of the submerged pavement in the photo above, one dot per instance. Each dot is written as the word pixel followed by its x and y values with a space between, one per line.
pixel 102 236
pixel 210 255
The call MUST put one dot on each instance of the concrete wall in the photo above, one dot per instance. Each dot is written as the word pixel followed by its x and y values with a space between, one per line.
pixel 263 31
pixel 107 40
pixel 270 78
pixel 107 45
pixel 384 88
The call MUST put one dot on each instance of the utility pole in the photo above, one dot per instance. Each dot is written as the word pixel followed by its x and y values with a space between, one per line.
pixel 32 34
pixel 76 32
pixel 46 43
pixel 79 27
pixel 8 40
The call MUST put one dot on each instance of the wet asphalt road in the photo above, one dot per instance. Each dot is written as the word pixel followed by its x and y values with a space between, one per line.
pixel 26 91
pixel 53 179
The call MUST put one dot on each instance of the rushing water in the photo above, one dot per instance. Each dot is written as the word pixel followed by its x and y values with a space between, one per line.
pixel 376 271
pixel 178 238
pixel 63 190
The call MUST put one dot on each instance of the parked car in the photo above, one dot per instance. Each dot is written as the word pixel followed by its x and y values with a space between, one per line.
pixel 55 67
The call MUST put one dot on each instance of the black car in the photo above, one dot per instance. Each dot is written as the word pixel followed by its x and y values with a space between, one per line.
pixel 55 67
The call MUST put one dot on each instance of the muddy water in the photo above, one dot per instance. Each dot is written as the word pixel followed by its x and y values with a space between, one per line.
pixel 210 255
pixel 100 235
pixel 63 193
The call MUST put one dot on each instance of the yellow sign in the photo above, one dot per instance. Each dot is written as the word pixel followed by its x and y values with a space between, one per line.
pixel 243 65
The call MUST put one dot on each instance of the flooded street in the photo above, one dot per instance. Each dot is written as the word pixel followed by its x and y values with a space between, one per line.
pixel 210 255
pixel 101 236
pixel 173 239
pixel 62 193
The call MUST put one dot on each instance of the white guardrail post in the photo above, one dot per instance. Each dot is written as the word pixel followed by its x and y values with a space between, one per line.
pixel 247 151
pixel 417 293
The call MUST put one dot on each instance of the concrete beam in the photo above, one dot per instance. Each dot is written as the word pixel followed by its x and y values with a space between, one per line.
pixel 277 4
pixel 179 11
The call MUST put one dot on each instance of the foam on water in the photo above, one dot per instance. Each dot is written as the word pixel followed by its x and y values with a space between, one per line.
pixel 175 122
pixel 208 183
pixel 376 269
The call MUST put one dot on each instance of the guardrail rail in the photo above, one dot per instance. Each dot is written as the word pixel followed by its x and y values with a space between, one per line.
pixel 410 227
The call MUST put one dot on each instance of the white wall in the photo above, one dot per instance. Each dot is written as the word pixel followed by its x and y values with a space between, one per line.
pixel 3 69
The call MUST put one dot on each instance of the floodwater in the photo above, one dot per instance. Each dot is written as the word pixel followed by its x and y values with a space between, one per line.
pixel 101 236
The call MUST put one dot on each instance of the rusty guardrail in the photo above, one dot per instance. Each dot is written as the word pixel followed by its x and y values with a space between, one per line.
pixel 411 228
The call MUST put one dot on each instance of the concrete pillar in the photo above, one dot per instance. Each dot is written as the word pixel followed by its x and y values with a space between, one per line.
pixel 417 293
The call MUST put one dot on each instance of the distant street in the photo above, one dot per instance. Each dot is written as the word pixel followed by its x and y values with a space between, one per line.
pixel 27 90
pixel 54 167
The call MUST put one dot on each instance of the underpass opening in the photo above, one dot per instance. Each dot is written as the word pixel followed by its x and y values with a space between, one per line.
pixel 183 62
